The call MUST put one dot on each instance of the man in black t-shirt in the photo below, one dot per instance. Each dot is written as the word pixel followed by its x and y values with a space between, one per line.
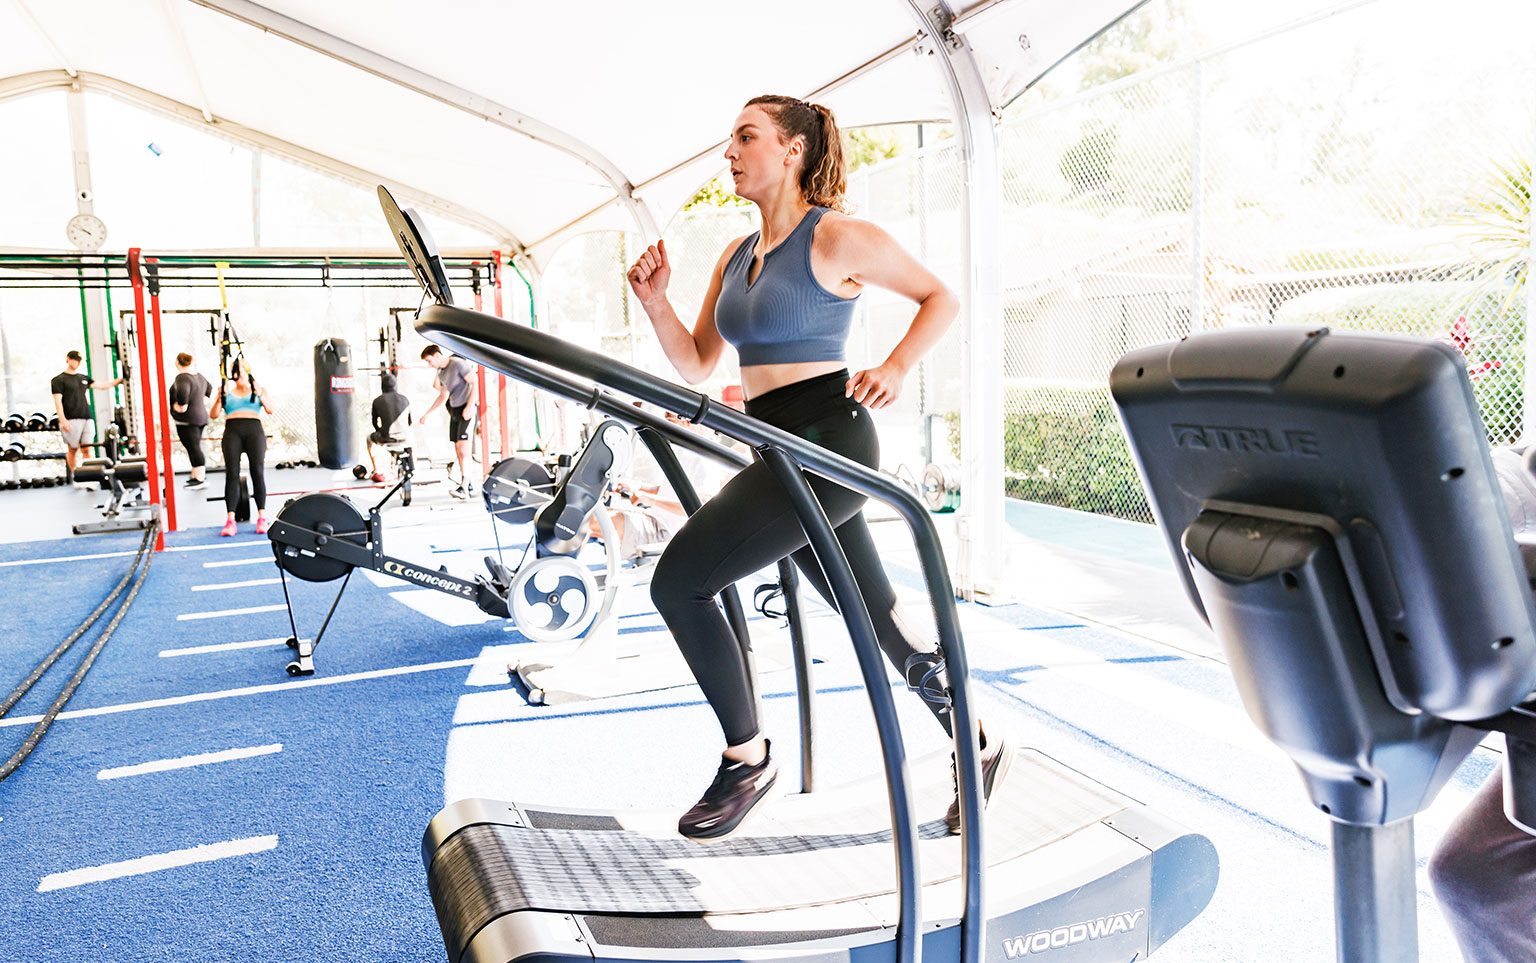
pixel 391 419
pixel 73 406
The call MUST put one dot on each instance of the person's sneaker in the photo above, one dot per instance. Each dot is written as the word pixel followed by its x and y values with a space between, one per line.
pixel 195 483
pixel 736 791
pixel 459 492
pixel 228 529
pixel 261 525
pixel 996 757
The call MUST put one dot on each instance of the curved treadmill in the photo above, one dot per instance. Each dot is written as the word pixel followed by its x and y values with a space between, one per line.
pixel 1073 871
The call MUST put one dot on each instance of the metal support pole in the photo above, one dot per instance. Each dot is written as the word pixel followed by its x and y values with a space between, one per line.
pixel 981 525
pixel 156 374
pixel 1374 893
pixel 501 379
pixel 480 406
pixel 789 584
pixel 146 388
pixel 845 591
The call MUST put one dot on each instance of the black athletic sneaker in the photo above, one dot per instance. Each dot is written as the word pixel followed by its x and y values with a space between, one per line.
pixel 996 757
pixel 737 788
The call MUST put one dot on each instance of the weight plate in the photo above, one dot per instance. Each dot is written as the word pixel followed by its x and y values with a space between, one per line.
pixel 941 487
pixel 311 511
pixel 506 503
pixel 553 598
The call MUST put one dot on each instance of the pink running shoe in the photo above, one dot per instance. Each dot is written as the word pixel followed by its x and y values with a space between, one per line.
pixel 228 529
pixel 261 525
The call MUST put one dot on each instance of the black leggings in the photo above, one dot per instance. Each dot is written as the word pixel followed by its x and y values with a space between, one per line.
pixel 750 525
pixel 248 436
pixel 192 440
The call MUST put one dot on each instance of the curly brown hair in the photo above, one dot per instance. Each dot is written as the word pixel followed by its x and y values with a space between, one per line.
pixel 824 175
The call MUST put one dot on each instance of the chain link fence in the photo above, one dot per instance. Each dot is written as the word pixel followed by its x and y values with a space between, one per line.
pixel 1323 173
pixel 1308 176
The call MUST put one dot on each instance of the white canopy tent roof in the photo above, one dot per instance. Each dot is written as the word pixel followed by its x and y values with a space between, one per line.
pixel 529 121
pixel 536 122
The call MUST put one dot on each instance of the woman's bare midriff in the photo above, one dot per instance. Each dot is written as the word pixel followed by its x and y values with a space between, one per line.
pixel 759 379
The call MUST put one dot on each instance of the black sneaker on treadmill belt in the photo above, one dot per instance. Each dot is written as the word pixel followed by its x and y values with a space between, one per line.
pixel 737 789
pixel 996 757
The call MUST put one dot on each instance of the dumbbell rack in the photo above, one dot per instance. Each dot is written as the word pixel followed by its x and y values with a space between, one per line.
pixel 14 451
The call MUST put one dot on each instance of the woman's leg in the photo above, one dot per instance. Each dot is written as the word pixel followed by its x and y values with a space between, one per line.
pixel 256 455
pixel 1484 872
pixel 231 445
pixel 898 639
pixel 747 526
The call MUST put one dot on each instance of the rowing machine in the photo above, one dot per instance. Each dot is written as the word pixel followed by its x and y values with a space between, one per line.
pixel 320 537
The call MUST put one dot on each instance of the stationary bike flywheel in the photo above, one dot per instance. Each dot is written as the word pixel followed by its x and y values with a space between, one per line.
pixel 330 515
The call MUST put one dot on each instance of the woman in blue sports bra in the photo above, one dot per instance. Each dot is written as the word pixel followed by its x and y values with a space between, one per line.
pixel 784 298
pixel 241 402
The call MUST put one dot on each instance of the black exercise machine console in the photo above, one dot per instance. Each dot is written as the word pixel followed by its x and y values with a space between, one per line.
pixel 1332 508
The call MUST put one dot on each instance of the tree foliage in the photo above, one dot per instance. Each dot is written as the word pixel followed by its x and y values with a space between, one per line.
pixel 1158 32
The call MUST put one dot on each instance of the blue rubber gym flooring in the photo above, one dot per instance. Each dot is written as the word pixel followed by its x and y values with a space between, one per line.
pixel 194 802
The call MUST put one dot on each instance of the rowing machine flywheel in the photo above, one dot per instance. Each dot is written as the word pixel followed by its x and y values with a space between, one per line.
pixel 553 598
pixel 327 514
pixel 519 506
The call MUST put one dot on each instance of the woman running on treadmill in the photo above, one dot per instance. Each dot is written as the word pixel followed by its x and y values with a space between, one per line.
pixel 784 298
pixel 241 402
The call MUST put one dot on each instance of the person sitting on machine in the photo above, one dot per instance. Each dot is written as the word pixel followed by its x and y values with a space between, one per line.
pixel 788 317
pixel 644 518
pixel 391 421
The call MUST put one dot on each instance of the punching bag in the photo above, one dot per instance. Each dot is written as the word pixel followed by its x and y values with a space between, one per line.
pixel 334 387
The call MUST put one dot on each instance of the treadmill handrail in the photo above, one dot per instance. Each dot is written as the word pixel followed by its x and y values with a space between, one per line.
pixel 526 354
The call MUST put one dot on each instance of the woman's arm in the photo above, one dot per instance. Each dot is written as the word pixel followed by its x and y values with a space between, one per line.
pixel 693 353
pixel 865 254
pixel 261 393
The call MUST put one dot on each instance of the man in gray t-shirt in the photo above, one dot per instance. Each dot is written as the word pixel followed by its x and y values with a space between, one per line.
pixel 457 390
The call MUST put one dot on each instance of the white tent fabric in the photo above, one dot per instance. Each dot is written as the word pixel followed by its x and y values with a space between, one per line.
pixel 536 122
pixel 530 121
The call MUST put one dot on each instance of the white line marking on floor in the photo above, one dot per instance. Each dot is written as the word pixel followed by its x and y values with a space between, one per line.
pixel 233 585
pixel 240 561
pixel 253 610
pixel 206 853
pixel 223 647
pixel 187 762
pixel 82 558
pixel 234 693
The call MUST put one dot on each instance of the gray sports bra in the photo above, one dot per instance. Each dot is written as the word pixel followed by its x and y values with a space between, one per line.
pixel 785 315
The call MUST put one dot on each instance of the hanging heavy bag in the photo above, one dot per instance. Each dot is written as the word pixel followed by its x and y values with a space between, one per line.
pixel 334 386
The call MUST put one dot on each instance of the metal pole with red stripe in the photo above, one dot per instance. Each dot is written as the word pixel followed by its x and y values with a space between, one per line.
pixel 146 387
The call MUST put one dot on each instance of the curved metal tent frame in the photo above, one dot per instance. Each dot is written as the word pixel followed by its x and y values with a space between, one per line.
pixel 535 123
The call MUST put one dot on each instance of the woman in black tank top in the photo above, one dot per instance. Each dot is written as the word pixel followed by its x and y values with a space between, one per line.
pixel 786 157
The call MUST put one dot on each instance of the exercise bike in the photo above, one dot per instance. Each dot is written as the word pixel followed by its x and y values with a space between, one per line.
pixel 322 536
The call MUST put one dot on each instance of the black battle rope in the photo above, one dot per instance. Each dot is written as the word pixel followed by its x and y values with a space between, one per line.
pixel 43 666
pixel 36 735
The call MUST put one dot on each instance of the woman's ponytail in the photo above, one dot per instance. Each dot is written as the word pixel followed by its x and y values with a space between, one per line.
pixel 824 172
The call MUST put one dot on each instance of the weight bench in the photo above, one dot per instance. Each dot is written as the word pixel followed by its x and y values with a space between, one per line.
pixel 118 476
